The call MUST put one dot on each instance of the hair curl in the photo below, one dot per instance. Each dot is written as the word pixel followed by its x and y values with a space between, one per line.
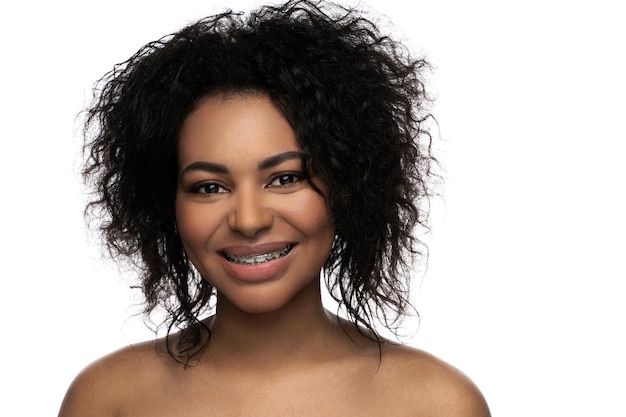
pixel 357 103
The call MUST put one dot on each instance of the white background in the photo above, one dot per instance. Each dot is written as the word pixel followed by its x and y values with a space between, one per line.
pixel 524 290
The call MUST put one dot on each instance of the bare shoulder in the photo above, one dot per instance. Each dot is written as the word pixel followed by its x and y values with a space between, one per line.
pixel 102 388
pixel 429 386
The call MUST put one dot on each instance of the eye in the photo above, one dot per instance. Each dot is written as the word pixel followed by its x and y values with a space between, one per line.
pixel 209 188
pixel 285 180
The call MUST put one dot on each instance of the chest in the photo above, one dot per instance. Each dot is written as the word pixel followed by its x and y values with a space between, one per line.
pixel 309 392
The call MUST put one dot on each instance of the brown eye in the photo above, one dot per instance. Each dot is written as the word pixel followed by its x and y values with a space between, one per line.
pixel 285 180
pixel 209 188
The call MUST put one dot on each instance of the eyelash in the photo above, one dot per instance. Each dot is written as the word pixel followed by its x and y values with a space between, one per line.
pixel 285 180
pixel 291 176
pixel 197 189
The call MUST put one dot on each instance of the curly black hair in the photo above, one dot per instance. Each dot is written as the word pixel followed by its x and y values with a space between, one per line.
pixel 358 106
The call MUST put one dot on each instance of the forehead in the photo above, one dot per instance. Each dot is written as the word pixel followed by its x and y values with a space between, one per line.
pixel 242 126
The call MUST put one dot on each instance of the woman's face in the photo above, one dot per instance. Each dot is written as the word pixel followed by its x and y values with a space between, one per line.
pixel 247 217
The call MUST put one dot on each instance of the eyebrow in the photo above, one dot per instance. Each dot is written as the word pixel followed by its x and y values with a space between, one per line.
pixel 266 163
pixel 206 167
pixel 278 159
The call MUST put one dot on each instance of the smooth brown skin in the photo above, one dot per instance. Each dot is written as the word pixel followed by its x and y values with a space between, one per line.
pixel 274 349
pixel 275 366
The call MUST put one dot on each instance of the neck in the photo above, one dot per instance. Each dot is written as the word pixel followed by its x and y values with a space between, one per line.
pixel 298 330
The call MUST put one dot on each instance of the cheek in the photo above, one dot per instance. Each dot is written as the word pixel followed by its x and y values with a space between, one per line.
pixel 312 217
pixel 193 223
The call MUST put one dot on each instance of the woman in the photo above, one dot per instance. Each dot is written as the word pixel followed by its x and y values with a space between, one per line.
pixel 238 161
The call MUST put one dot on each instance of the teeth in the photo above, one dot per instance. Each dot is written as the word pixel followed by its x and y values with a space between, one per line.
pixel 258 259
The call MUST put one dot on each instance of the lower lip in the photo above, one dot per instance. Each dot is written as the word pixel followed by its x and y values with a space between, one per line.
pixel 265 271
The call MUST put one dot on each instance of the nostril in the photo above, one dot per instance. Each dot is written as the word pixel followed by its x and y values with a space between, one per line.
pixel 250 216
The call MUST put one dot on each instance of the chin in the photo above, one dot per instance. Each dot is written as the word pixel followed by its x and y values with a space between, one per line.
pixel 269 298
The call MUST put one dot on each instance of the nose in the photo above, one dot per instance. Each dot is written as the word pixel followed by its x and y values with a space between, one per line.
pixel 249 214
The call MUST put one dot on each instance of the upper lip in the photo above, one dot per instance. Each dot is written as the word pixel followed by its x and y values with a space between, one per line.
pixel 256 249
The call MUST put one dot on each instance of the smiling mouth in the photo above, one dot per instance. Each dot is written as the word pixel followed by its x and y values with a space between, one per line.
pixel 258 259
